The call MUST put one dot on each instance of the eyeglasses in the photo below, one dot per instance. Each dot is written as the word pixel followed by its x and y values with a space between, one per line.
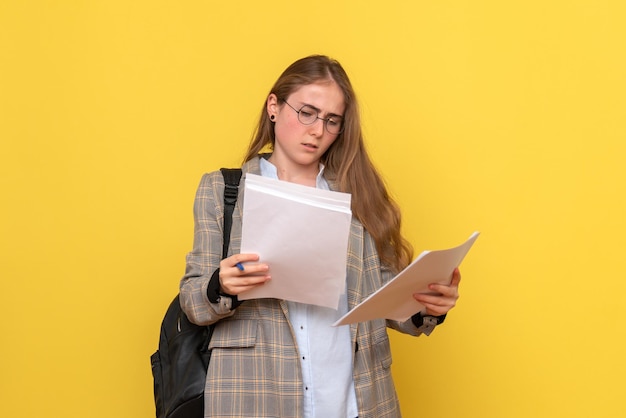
pixel 307 115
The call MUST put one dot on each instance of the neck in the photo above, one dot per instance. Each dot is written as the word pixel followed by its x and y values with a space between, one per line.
pixel 293 173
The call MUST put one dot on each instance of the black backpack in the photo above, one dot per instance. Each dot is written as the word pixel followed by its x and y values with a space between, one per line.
pixel 180 364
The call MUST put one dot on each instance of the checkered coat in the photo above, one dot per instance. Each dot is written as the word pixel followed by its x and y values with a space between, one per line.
pixel 254 369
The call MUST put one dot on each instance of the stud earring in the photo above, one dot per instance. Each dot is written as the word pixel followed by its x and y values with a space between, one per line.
pixel 272 117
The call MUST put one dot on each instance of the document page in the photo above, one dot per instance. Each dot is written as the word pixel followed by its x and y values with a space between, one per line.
pixel 395 299
pixel 302 234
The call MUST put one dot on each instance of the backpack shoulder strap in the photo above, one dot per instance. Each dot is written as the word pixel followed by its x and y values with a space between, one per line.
pixel 232 176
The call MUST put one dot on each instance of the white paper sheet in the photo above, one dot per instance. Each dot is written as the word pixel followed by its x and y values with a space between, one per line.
pixel 395 299
pixel 302 234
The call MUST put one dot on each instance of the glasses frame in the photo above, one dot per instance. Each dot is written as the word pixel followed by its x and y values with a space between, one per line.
pixel 317 116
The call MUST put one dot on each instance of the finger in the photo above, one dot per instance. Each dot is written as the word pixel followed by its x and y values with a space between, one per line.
pixel 242 258
pixel 246 264
pixel 448 290
pixel 437 308
pixel 249 269
pixel 456 277
pixel 441 301
pixel 250 281
pixel 433 304
pixel 238 259
pixel 235 286
pixel 429 299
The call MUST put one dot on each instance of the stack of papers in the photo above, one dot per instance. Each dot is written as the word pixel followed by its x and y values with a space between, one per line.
pixel 395 299
pixel 302 234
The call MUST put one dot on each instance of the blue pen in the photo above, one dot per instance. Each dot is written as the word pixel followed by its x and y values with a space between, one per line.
pixel 239 266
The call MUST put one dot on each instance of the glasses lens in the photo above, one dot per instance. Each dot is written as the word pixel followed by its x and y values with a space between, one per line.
pixel 334 124
pixel 307 115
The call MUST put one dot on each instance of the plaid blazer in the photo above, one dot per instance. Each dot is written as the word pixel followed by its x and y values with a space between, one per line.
pixel 254 369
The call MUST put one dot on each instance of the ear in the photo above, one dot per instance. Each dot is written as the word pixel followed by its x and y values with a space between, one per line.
pixel 272 105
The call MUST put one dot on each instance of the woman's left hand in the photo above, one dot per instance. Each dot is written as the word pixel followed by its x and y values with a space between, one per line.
pixel 438 305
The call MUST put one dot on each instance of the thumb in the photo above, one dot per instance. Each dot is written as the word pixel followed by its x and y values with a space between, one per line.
pixel 456 277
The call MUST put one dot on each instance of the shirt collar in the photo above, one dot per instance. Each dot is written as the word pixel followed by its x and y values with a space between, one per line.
pixel 269 170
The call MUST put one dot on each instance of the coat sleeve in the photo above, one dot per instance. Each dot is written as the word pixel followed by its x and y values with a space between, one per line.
pixel 205 257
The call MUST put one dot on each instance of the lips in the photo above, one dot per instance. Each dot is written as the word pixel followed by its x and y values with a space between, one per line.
pixel 310 146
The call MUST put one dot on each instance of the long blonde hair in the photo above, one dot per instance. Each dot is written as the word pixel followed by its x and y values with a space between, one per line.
pixel 346 161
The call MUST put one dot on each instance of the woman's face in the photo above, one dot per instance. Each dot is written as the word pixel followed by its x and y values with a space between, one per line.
pixel 298 145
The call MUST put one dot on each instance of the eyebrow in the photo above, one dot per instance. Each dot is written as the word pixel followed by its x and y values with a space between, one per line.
pixel 320 110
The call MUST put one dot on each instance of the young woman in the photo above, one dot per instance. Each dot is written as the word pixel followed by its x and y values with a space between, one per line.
pixel 276 358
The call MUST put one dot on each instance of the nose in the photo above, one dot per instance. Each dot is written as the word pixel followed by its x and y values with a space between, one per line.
pixel 317 128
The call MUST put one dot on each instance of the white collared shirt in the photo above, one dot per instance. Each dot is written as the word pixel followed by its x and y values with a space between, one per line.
pixel 325 351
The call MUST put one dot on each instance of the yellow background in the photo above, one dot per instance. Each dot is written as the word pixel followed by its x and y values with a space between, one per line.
pixel 505 117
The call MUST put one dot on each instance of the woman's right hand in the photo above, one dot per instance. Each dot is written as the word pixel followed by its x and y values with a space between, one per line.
pixel 241 272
